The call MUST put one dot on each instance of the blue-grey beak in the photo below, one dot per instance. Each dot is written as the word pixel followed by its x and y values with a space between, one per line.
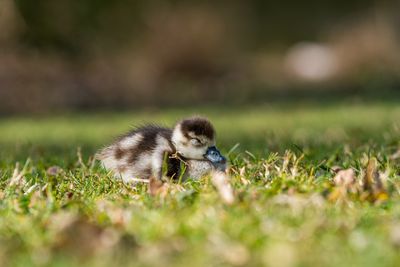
pixel 214 156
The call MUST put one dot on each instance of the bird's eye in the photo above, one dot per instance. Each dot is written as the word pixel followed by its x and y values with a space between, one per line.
pixel 195 142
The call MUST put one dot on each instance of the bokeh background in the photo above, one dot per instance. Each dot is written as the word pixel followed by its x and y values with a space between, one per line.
pixel 63 55
pixel 304 96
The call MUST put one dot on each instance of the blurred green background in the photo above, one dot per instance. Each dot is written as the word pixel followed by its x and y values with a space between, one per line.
pixel 297 90
pixel 118 55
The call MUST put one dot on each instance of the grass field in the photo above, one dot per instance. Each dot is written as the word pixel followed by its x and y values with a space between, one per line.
pixel 294 203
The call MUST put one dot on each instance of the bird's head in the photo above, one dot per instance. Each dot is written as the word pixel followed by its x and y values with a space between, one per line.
pixel 194 138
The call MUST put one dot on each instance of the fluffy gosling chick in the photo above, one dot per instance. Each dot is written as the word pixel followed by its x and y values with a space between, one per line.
pixel 140 154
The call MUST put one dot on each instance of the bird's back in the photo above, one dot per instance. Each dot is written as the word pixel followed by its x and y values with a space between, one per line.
pixel 139 153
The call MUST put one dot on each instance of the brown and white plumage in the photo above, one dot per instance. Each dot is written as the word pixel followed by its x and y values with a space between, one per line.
pixel 141 153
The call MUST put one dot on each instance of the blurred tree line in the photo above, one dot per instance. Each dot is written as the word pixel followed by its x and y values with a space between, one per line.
pixel 70 26
pixel 57 55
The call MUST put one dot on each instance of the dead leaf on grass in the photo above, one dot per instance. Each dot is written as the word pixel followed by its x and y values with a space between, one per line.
pixel 221 181
pixel 242 173
pixel 373 188
pixel 157 187
pixel 345 178
pixel 17 178
pixel 345 184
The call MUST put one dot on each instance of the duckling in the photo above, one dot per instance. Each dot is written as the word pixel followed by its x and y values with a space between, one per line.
pixel 141 153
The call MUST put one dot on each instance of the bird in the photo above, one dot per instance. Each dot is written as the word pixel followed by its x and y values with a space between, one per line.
pixel 153 151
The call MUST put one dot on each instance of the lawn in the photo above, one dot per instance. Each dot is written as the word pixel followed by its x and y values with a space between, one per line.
pixel 313 185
